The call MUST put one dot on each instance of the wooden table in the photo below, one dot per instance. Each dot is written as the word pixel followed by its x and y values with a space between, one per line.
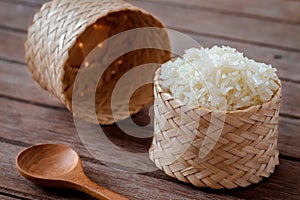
pixel 267 31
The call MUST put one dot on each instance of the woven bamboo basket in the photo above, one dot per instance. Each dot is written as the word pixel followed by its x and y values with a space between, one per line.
pixel 245 152
pixel 64 32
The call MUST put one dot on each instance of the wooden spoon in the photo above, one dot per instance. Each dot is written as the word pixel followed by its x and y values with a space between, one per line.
pixel 56 165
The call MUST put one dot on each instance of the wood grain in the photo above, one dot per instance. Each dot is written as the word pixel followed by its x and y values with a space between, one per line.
pixel 35 120
pixel 20 21
pixel 267 31
pixel 134 186
pixel 219 25
pixel 289 137
pixel 287 67
pixel 151 185
pixel 287 61
pixel 27 2
pixel 12 49
pixel 10 197
pixel 284 11
pixel 30 91
pixel 34 124
pixel 13 75
pixel 12 46
pixel 275 10
pixel 15 39
pixel 223 25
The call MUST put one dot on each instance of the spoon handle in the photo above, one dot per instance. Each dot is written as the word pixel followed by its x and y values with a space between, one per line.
pixel 97 191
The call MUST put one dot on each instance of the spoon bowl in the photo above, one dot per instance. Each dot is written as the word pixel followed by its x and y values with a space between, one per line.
pixel 33 160
pixel 56 165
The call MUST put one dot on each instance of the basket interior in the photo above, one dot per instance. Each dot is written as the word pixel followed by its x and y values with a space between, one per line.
pixel 104 28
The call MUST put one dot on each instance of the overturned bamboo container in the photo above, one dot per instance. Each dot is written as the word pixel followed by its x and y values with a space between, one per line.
pixel 64 32
pixel 244 153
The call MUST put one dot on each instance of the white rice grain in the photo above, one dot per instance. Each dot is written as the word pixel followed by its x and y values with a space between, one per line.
pixel 219 78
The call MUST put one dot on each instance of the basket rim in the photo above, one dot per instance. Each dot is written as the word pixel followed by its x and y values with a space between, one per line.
pixel 276 96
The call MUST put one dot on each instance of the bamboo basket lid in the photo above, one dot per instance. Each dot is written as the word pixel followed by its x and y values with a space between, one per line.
pixel 64 32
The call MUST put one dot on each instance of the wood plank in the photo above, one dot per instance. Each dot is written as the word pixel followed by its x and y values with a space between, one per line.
pixel 30 91
pixel 16 82
pixel 153 185
pixel 14 42
pixel 284 11
pixel 27 2
pixel 290 99
pixel 289 137
pixel 25 88
pixel 40 124
pixel 205 22
pixel 229 26
pixel 286 62
pixel 16 16
pixel 278 10
pixel 12 46
pixel 12 49
pixel 12 86
pixel 6 197
pixel 134 186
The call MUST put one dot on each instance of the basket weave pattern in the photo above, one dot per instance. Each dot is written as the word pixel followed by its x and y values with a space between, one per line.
pixel 61 26
pixel 245 152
